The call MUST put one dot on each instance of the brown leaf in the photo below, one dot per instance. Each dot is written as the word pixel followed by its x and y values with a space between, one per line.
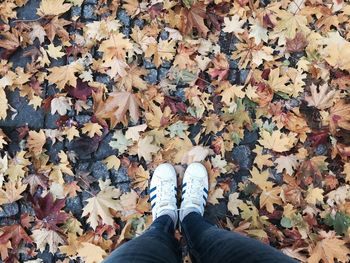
pixel 297 44
pixel 194 17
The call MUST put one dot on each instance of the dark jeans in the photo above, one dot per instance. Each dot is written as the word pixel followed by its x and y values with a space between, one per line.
pixel 207 243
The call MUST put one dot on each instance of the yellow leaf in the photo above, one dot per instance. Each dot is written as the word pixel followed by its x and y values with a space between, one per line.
pixel 321 97
pixel 213 197
pixel 98 206
pixel 270 197
pixel 314 195
pixel 260 178
pixel 133 133
pixel 91 253
pixel 146 148
pixel 43 237
pixel 278 83
pixel 3 104
pixel 346 171
pixel 64 75
pixel 329 248
pixel 112 162
pixel 36 141
pixel 71 249
pixel 233 25
pixel 277 141
pixel 92 128
pixel 71 132
pixel 55 52
pixel 12 193
pixel 287 163
pixel 53 7
pixel 234 203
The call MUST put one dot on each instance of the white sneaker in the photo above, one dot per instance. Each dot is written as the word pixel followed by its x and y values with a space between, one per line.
pixel 194 190
pixel 163 190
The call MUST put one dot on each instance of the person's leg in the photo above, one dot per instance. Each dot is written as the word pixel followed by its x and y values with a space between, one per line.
pixel 156 245
pixel 209 244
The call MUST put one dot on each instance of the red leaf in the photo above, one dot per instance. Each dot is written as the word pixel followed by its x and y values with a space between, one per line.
pixel 49 211
pixel 82 91
pixel 175 104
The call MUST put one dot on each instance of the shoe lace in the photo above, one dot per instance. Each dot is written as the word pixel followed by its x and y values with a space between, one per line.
pixel 194 190
pixel 167 192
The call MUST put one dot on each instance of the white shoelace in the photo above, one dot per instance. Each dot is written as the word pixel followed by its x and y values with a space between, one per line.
pixel 194 190
pixel 167 193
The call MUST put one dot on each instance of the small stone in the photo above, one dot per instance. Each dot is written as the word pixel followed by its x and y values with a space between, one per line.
pixel 278 177
pixel 321 149
pixel 89 12
pixel 83 166
pixel 51 120
pixel 242 156
pixel 243 74
pixel 58 62
pixel 152 77
pixel 104 149
pixel 9 210
pixel 26 208
pixel 148 64
pixel 124 187
pixel 74 205
pixel 99 170
pixel 162 73
pixel 124 17
pixel 28 11
pixel 26 114
pixel 164 35
pixel 120 175
pixel 54 149
pixel 224 42
pixel 105 79
pixel 241 175
pixel 46 256
pixel 82 119
pixel 166 64
pixel 265 3
pixel 233 77
pixel 233 64
pixel 75 11
pixel 126 31
pixel 250 137
pixel 233 186
pixel 139 22
pixel 180 93
pixel 92 2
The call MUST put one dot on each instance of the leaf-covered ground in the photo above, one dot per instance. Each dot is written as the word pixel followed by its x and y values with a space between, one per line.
pixel 95 94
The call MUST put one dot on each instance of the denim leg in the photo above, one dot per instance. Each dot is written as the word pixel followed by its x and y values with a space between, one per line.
pixel 209 244
pixel 155 245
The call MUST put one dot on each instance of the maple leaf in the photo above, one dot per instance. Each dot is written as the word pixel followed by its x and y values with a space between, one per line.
pixel 297 44
pixel 277 141
pixel 61 76
pixel 36 141
pixel 56 27
pixel 116 106
pixel 91 253
pixel 321 97
pixel 92 129
pixel 48 211
pixel 214 195
pixel 98 206
pixel 133 133
pixel 340 116
pixel 288 163
pixel 121 143
pixel 3 104
pixel 278 83
pixel 234 203
pixel 37 32
pixel 146 148
pixel 7 10
pixel 11 238
pixel 314 195
pixel 260 178
pixel 53 7
pixel 112 162
pixel 330 247
pixel 139 177
pixel 196 154
pixel 233 25
pixel 60 105
pixel 12 193
pixel 194 17
pixel 55 52
pixel 269 197
pixel 35 180
pixel 43 237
